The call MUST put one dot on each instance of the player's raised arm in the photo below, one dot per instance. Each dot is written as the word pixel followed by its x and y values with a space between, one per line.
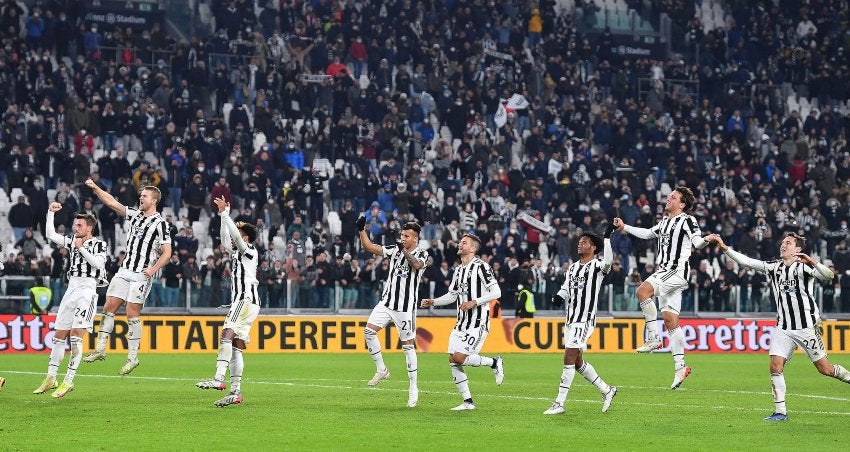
pixel 229 231
pixel 741 259
pixel 820 271
pixel 641 233
pixel 607 250
pixel 50 229
pixel 364 238
pixel 107 199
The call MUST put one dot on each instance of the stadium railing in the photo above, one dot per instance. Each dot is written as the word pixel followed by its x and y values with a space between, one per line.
pixel 15 293
pixel 192 299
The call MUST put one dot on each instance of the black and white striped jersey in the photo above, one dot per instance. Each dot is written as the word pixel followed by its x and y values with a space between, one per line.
pixel 471 282
pixel 581 289
pixel 793 288
pixel 676 238
pixel 79 266
pixel 145 237
pixel 243 278
pixel 401 289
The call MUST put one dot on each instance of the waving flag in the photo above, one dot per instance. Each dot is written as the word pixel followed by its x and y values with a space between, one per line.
pixel 501 115
pixel 517 102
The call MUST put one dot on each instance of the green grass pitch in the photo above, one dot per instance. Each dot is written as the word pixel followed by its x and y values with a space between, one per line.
pixel 321 402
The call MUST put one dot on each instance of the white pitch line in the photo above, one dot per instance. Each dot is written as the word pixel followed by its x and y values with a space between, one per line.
pixel 499 396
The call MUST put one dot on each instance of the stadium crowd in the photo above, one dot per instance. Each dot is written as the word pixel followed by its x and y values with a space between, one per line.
pixel 406 126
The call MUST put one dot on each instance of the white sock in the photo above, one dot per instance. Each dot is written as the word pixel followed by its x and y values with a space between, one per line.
pixel 650 314
pixel 412 364
pixel 134 336
pixel 478 360
pixel 107 324
pixel 589 373
pixel 566 381
pixel 374 347
pixel 677 347
pixel 841 373
pixel 237 365
pixel 76 356
pixel 778 382
pixel 461 381
pixel 56 355
pixel 225 354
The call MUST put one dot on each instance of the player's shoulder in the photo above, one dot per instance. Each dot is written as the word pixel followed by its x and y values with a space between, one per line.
pixel 419 251
pixel 773 263
pixel 478 261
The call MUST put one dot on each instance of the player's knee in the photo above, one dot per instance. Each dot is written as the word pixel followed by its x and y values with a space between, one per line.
pixel 457 358
pixel 776 368
pixel 644 292
pixel 227 334
pixel 369 332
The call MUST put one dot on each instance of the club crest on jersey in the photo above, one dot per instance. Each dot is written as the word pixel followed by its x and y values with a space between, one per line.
pixel 664 239
pixel 463 289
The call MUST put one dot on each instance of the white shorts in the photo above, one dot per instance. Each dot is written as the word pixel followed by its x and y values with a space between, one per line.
pixel 468 342
pixel 130 287
pixel 76 310
pixel 405 322
pixel 577 334
pixel 668 287
pixel 240 319
pixel 785 342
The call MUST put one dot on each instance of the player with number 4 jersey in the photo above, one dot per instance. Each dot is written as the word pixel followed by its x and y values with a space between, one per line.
pixel 76 310
pixel 473 287
pixel 582 290
pixel 792 284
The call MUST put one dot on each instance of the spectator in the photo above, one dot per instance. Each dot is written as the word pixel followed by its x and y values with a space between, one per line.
pixel 21 217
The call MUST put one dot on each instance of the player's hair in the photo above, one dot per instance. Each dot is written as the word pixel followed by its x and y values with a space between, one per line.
pixel 88 218
pixel 798 239
pixel 157 195
pixel 412 226
pixel 687 197
pixel 248 229
pixel 595 239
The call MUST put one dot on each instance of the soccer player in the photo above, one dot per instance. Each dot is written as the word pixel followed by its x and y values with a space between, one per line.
pixel 398 301
pixel 76 310
pixel 244 305
pixel 582 288
pixel 148 250
pixel 792 284
pixel 676 233
pixel 473 287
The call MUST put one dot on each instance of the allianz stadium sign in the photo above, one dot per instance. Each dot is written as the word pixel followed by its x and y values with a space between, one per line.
pixel 133 19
